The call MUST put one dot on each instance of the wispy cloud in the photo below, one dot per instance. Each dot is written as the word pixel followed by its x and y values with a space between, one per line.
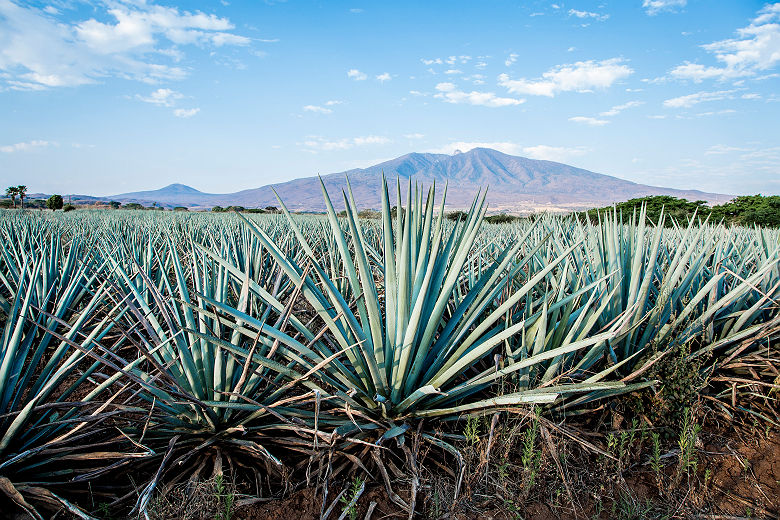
pixel 414 136
pixel 185 112
pixel 317 143
pixel 653 7
pixel 512 58
pixel 385 76
pixel 317 109
pixel 585 15
pixel 135 40
pixel 449 92
pixel 162 96
pixel 27 146
pixel 582 76
pixel 722 149
pixel 554 153
pixel 542 152
pixel 590 121
pixel 357 75
pixel 698 97
pixel 756 49
pixel 619 108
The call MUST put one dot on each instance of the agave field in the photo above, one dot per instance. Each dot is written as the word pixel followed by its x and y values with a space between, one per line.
pixel 299 349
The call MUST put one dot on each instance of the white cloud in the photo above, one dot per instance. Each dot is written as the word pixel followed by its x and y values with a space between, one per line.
pixel 320 144
pixel 135 41
pixel 450 93
pixel 581 76
pixel 185 112
pixel 385 76
pixel 696 98
pixel 453 71
pixel 756 49
pixel 751 96
pixel 357 75
pixel 464 146
pixel 722 149
pixel 28 146
pixel 511 59
pixel 592 121
pixel 436 61
pixel 542 152
pixel 162 96
pixel 619 108
pixel 653 7
pixel 414 136
pixel 480 65
pixel 477 79
pixel 584 15
pixel 554 153
pixel 317 109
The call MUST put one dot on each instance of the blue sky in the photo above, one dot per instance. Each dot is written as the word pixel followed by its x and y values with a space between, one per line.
pixel 122 95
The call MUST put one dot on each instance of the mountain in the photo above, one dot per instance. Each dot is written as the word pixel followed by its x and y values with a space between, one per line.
pixel 173 194
pixel 516 184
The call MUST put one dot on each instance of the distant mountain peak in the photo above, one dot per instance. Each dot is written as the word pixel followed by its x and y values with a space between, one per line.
pixel 177 187
pixel 518 184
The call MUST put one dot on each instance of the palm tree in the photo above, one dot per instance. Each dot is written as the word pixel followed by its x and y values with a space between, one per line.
pixel 21 190
pixel 12 192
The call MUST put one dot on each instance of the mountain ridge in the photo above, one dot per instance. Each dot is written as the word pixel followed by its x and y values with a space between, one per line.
pixel 515 184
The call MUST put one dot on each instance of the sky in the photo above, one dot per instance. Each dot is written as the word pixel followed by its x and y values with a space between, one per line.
pixel 107 97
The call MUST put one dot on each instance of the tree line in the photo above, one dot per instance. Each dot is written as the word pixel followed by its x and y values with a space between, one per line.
pixel 745 210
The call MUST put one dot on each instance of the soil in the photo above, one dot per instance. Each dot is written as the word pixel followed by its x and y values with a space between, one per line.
pixel 745 474
pixel 738 477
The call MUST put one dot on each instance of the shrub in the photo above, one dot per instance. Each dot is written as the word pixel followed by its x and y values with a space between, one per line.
pixel 68 207
pixel 54 202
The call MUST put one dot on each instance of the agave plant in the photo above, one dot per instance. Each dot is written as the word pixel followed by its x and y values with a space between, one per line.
pixel 416 332
pixel 55 428
pixel 213 394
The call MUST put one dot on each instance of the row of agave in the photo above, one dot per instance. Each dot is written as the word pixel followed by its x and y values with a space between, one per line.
pixel 163 342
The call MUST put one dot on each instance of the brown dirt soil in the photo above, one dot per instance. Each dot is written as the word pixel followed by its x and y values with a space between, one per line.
pixel 743 473
pixel 746 474
pixel 305 505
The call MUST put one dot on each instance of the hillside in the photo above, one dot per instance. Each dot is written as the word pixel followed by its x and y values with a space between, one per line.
pixel 516 184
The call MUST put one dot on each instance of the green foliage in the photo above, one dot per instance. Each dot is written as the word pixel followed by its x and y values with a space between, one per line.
pixel 133 205
pixel 68 207
pixel 181 208
pixel 678 209
pixel 12 192
pixel 750 210
pixel 456 216
pixel 471 432
pixel 687 438
pixel 501 219
pixel 54 202
pixel 655 458
pixel 531 456
pixel 225 499
pixel 350 498
pixel 114 204
pixel 744 210
pixel 369 213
